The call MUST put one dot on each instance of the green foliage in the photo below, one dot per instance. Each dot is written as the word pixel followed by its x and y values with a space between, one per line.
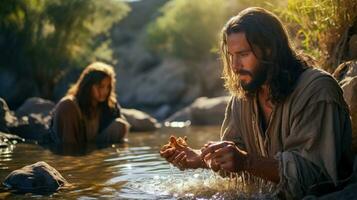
pixel 42 38
pixel 187 29
pixel 321 26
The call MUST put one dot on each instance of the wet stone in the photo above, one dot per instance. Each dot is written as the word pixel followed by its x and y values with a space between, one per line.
pixel 38 178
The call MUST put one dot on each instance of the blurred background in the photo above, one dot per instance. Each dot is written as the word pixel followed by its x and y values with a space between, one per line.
pixel 164 51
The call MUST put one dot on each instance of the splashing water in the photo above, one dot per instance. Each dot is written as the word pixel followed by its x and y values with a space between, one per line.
pixel 205 184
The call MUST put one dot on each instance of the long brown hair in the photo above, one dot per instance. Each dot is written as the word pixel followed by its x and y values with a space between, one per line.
pixel 93 74
pixel 264 31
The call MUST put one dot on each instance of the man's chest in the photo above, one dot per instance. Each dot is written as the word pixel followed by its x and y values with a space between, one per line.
pixel 264 111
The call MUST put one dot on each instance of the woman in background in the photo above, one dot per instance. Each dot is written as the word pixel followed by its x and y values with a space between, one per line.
pixel 90 112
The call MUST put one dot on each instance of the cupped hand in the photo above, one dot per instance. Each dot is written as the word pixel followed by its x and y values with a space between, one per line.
pixel 225 156
pixel 187 158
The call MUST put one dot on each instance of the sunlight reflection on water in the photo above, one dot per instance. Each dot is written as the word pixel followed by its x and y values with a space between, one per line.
pixel 202 184
pixel 131 171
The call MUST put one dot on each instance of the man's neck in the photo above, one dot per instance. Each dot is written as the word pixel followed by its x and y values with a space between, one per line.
pixel 264 93
pixel 265 105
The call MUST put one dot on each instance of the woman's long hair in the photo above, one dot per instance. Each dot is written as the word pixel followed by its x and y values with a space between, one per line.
pixel 93 74
pixel 265 32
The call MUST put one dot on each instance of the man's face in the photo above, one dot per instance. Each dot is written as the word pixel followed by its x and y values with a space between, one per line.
pixel 244 62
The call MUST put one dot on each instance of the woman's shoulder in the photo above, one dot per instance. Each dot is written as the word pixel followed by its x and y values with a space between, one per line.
pixel 67 103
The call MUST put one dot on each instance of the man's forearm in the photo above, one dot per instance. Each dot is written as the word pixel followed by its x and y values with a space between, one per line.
pixel 266 168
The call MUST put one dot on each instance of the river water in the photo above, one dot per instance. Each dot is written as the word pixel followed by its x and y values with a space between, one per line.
pixel 133 170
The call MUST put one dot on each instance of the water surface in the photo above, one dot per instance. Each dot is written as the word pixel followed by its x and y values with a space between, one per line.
pixel 133 170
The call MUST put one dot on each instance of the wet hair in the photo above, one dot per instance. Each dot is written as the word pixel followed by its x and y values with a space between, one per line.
pixel 93 74
pixel 265 33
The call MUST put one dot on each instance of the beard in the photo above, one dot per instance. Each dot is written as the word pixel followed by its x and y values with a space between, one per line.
pixel 258 78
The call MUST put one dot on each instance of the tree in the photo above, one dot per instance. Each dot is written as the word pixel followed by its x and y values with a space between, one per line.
pixel 187 29
pixel 42 38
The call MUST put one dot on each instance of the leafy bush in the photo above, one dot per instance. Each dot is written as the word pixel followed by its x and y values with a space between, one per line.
pixel 322 26
pixel 42 38
pixel 187 29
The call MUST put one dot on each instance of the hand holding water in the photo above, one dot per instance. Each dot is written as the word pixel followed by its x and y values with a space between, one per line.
pixel 181 156
pixel 225 156
pixel 211 163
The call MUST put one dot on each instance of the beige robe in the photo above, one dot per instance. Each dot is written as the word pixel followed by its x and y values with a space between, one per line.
pixel 309 133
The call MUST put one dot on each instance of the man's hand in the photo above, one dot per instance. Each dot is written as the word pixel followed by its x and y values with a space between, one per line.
pixel 224 156
pixel 184 159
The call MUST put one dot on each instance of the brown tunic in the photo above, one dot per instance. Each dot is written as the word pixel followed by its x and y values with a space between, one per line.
pixel 70 126
pixel 309 133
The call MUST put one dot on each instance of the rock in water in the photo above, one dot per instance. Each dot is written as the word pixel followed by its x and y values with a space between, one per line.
pixel 203 111
pixel 35 105
pixel 140 121
pixel 6 116
pixel 38 178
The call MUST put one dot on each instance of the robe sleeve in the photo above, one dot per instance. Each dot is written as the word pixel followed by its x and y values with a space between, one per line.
pixel 319 136
pixel 67 125
pixel 229 130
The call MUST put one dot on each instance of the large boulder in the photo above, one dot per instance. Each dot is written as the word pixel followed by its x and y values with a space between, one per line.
pixel 9 139
pixel 38 178
pixel 163 84
pixel 139 120
pixel 33 119
pixel 346 74
pixel 167 83
pixel 6 116
pixel 35 105
pixel 203 111
pixel 32 127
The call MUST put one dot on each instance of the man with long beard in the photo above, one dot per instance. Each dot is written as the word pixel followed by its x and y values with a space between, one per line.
pixel 286 121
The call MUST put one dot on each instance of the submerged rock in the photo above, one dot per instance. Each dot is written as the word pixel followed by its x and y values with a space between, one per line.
pixel 38 178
